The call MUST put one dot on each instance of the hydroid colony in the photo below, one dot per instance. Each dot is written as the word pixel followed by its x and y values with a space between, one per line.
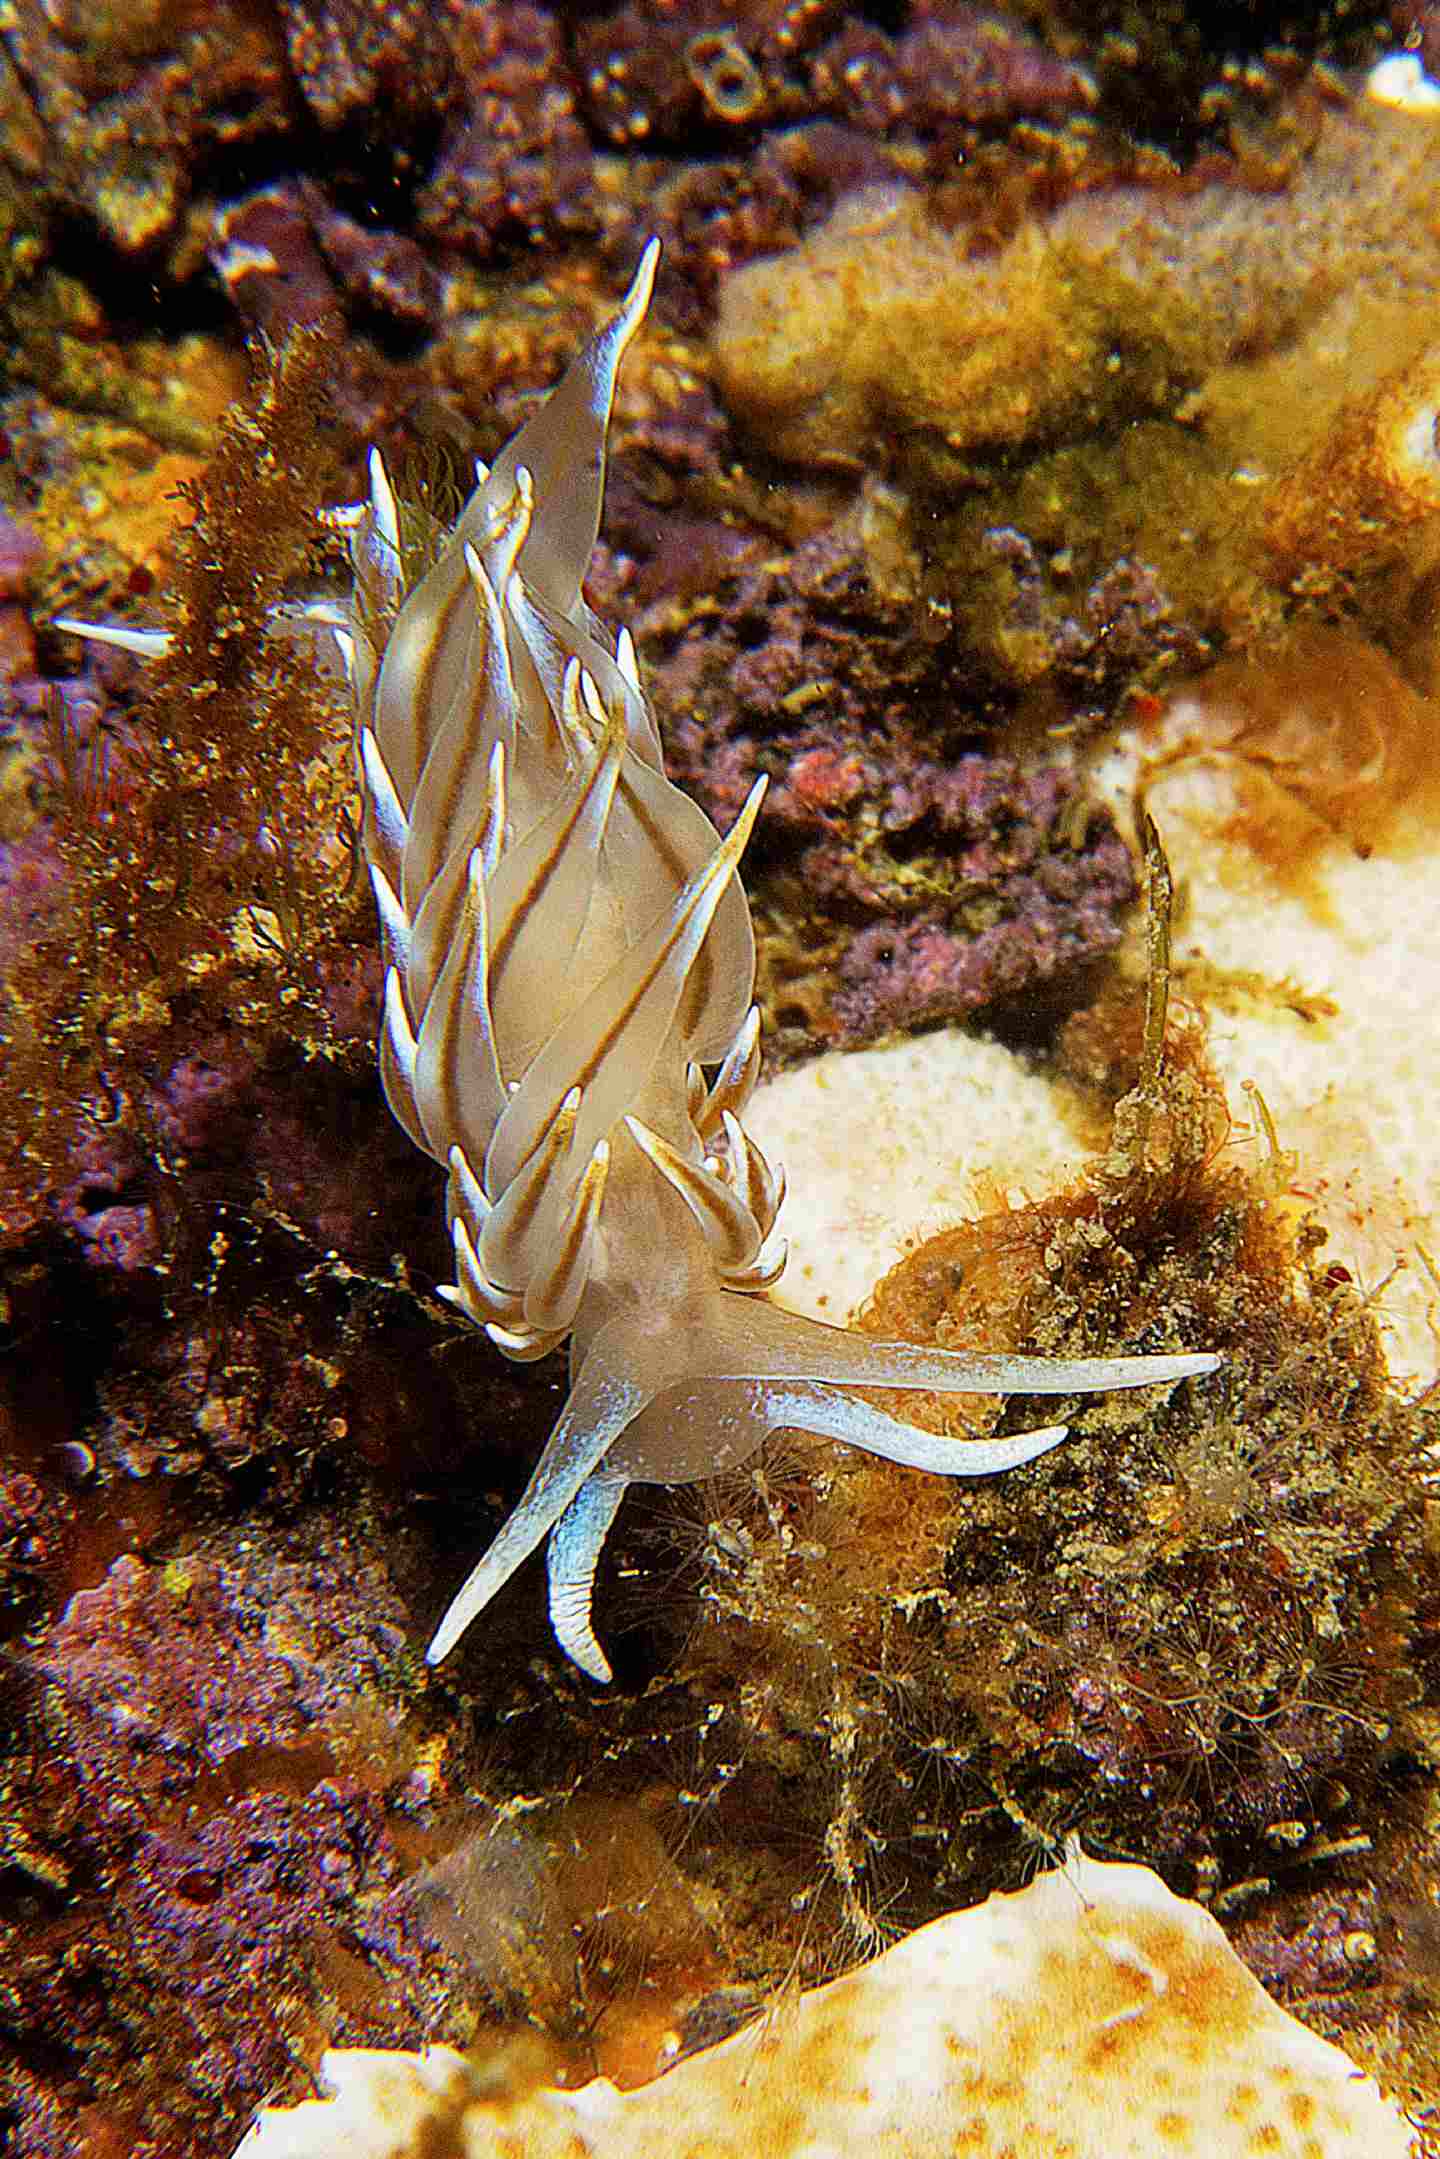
pixel 569 949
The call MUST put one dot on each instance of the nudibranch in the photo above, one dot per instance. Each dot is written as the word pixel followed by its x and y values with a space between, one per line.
pixel 568 1021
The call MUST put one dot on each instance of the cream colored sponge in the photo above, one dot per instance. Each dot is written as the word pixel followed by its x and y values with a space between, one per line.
pixel 1093 2014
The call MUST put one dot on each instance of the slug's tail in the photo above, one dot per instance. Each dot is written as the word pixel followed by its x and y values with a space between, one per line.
pixel 749 1370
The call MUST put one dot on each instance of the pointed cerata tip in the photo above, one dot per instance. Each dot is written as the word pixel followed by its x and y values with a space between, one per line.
pixel 615 339
pixel 637 299
pixel 744 824
pixel 149 644
pixel 382 502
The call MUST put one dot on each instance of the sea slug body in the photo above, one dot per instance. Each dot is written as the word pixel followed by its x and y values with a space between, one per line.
pixel 569 951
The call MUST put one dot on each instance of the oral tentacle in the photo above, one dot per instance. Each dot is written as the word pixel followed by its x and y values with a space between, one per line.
pixel 829 1414
pixel 602 1403
pixel 574 1551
